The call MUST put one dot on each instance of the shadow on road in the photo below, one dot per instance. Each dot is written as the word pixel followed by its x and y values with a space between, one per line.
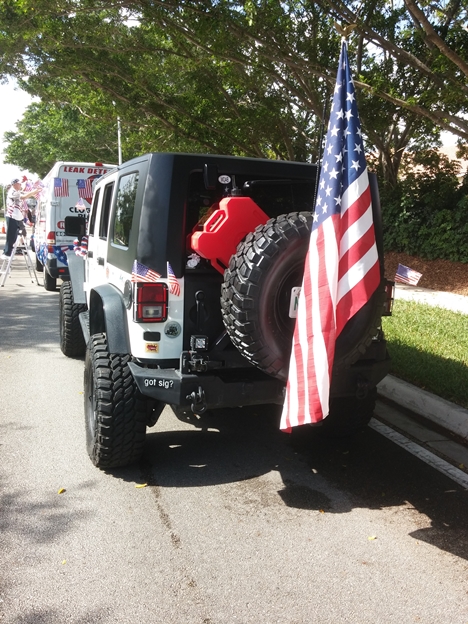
pixel 334 476
pixel 52 516
pixel 46 616
pixel 29 318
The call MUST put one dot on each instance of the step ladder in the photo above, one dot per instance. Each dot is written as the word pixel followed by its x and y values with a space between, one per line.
pixel 21 246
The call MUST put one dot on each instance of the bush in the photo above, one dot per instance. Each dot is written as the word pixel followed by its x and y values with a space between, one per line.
pixel 425 214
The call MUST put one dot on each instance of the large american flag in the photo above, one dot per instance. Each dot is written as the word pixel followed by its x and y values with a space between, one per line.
pixel 342 266
pixel 60 187
pixel 142 273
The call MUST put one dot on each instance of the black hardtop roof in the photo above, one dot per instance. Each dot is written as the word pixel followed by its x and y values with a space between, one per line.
pixel 220 159
pixel 161 199
pixel 161 235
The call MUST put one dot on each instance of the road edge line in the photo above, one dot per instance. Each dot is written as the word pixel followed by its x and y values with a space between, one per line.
pixel 421 453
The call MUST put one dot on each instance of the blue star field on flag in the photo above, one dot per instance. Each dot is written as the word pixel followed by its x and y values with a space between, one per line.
pixel 343 159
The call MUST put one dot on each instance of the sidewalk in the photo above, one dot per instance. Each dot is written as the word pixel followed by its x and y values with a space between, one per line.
pixel 444 413
pixel 450 301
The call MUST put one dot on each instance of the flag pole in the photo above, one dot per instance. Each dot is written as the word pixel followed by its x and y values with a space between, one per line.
pixel 320 148
pixel 344 31
pixel 119 143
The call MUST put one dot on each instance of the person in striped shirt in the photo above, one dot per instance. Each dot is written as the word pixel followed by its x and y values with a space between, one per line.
pixel 14 215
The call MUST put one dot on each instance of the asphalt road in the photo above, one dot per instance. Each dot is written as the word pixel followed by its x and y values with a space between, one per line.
pixel 238 522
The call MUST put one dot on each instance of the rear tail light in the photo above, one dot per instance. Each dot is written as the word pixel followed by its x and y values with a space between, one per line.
pixel 389 297
pixel 50 242
pixel 150 302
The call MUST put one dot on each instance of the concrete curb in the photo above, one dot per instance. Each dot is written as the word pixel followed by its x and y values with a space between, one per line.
pixel 447 300
pixel 446 414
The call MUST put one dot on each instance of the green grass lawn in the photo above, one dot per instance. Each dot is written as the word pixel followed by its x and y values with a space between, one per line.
pixel 429 348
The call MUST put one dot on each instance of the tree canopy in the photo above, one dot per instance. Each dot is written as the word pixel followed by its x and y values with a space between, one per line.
pixel 50 132
pixel 248 78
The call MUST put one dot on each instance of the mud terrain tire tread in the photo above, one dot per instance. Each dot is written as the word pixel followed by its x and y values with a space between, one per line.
pixel 72 342
pixel 115 411
pixel 260 275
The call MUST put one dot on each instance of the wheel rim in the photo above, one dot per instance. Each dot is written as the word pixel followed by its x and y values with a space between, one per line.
pixel 282 301
pixel 278 324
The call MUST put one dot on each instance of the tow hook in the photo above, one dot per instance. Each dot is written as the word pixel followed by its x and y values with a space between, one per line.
pixel 198 403
pixel 362 388
pixel 198 363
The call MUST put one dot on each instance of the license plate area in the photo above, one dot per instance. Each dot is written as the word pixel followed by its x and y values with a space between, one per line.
pixel 294 301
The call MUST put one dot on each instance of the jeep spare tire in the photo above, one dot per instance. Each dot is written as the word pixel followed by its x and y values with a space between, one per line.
pixel 256 296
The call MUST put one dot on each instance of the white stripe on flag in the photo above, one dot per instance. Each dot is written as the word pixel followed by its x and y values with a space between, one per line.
pixel 356 231
pixel 357 272
pixel 354 191
pixel 331 258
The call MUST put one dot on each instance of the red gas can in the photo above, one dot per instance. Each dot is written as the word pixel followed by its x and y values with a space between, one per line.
pixel 225 228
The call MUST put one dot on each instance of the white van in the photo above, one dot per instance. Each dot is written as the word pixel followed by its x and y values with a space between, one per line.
pixel 67 190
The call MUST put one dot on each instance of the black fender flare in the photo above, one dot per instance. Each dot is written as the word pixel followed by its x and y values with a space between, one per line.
pixel 107 314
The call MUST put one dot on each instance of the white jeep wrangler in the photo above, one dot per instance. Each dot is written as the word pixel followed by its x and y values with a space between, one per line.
pixel 184 297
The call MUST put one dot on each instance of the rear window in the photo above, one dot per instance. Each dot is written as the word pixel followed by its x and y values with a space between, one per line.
pixel 125 205
pixel 275 197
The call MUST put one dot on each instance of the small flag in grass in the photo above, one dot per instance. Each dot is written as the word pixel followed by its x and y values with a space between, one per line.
pixel 406 275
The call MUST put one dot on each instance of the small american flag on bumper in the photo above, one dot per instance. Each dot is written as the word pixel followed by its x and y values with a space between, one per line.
pixel 174 286
pixel 141 273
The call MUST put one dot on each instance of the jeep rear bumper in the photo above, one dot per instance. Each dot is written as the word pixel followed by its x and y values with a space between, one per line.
pixel 244 387
pixel 175 388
